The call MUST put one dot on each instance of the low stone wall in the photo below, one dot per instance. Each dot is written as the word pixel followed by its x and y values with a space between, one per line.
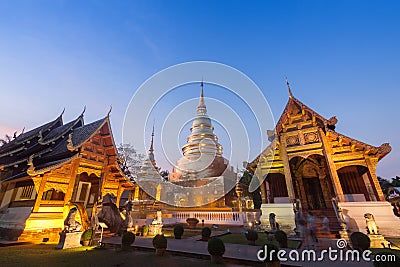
pixel 38 236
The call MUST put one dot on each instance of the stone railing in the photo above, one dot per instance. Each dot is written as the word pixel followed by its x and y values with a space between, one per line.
pixel 210 217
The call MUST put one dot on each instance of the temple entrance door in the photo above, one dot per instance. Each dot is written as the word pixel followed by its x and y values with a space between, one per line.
pixel 314 195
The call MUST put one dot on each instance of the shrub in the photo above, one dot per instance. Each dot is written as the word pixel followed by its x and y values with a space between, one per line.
pixel 88 235
pixel 252 235
pixel 144 230
pixel 216 247
pixel 159 241
pixel 178 231
pixel 128 238
pixel 205 233
pixel 360 241
pixel 282 239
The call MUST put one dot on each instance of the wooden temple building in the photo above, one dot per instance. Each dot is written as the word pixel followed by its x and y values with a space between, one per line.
pixel 45 171
pixel 310 163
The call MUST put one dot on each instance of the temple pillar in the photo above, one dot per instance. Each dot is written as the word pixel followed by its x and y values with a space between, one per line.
pixel 368 185
pixel 3 190
pixel 136 194
pixel 119 194
pixel 6 196
pixel 259 175
pixel 40 193
pixel 286 168
pixel 371 164
pixel 71 185
pixel 331 167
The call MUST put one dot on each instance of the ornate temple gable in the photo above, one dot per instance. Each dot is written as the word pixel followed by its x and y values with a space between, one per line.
pixel 349 151
pixel 41 169
pixel 297 116
pixel 271 156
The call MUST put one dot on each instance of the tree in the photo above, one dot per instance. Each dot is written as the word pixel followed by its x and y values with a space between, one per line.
pixel 396 181
pixel 130 161
pixel 256 194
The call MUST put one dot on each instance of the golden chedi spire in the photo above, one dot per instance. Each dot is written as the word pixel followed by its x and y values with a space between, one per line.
pixel 202 154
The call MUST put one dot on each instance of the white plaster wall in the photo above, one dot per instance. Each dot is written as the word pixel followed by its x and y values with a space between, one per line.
pixel 284 215
pixel 387 222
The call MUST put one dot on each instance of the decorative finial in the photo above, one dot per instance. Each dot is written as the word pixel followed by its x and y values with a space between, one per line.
pixel 201 109
pixel 288 86
pixel 62 112
pixel 109 112
pixel 151 150
pixel 83 112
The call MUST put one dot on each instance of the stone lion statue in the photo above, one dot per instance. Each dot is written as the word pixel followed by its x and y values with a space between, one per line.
pixel 70 224
pixel 371 225
pixel 272 222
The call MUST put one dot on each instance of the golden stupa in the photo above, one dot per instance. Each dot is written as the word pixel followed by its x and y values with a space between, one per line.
pixel 202 159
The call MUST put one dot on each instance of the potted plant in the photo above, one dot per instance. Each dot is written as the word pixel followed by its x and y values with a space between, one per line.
pixel 251 237
pixel 160 244
pixel 282 239
pixel 127 240
pixel 144 230
pixel 178 231
pixel 192 222
pixel 87 237
pixel 216 248
pixel 205 234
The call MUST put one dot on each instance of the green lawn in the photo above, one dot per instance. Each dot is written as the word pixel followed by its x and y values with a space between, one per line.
pixel 169 233
pixel 46 255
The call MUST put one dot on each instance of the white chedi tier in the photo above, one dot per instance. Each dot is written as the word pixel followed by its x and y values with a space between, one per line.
pixel 202 154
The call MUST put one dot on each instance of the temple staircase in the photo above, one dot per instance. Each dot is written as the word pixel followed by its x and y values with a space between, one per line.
pixel 334 225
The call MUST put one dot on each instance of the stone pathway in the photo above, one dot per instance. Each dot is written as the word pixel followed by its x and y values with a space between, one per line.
pixel 244 253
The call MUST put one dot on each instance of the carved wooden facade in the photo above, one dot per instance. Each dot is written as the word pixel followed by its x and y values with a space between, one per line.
pixel 308 160
pixel 49 168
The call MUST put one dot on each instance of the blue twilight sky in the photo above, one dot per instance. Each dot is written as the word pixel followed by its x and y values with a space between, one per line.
pixel 342 58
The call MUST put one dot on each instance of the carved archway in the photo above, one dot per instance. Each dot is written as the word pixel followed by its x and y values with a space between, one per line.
pixel 311 181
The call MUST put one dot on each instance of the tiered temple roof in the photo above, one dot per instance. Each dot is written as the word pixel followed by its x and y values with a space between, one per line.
pixel 49 146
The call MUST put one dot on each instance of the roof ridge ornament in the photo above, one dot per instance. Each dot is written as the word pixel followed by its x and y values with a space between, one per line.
pixel 31 170
pixel 288 86
pixel 109 111
pixel 70 145
pixel 83 112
